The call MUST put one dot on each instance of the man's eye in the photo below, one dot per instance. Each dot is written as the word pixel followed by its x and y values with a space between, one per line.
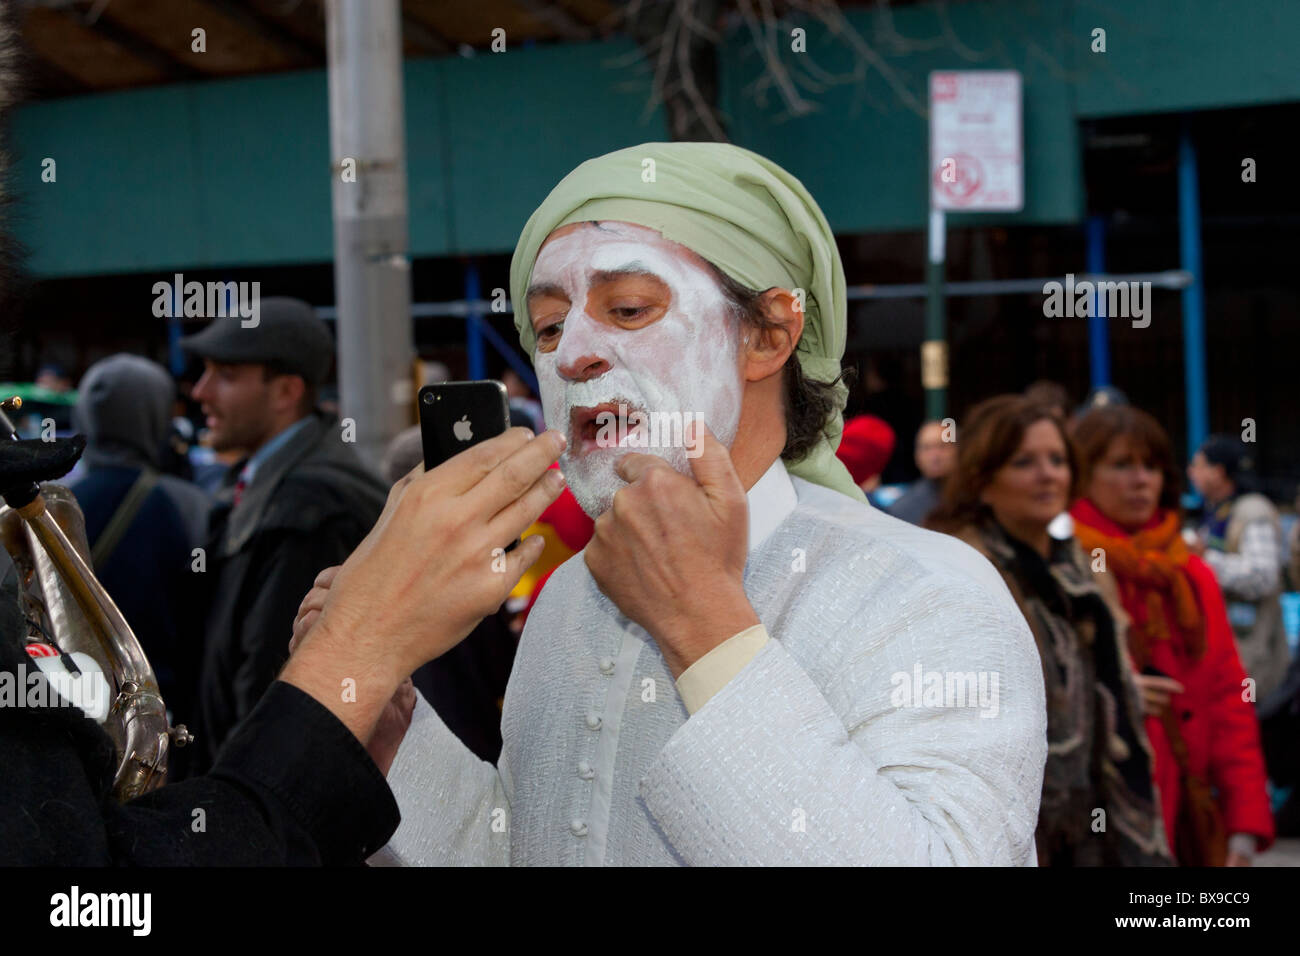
pixel 629 311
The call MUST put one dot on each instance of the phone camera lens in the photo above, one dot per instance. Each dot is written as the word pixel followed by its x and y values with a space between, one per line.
pixel 428 398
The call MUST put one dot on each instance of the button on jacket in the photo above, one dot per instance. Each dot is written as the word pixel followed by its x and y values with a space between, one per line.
pixel 815 752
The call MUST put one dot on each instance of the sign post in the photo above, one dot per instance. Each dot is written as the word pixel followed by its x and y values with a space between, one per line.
pixel 934 350
pixel 976 165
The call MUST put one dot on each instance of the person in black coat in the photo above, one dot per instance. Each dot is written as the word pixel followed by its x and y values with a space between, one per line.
pixel 286 791
pixel 294 783
pixel 299 502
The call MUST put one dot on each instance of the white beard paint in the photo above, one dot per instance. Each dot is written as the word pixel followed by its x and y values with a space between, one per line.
pixel 687 362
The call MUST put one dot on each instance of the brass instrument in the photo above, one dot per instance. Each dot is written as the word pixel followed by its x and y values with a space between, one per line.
pixel 69 608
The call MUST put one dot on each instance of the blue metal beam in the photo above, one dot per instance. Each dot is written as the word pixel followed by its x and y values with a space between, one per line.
pixel 1189 244
pixel 473 327
pixel 520 365
pixel 1098 331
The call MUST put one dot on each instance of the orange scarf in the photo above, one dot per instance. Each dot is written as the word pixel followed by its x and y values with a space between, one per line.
pixel 1151 570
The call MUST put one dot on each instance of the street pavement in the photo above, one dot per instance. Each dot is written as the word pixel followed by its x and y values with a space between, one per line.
pixel 1282 853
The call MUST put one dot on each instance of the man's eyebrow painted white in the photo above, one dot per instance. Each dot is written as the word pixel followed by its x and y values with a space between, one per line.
pixel 546 288
pixel 633 270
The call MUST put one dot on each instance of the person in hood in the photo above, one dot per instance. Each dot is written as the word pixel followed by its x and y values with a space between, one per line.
pixel 142 526
pixel 300 501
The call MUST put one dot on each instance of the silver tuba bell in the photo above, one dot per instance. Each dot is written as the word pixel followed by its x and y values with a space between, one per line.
pixel 66 607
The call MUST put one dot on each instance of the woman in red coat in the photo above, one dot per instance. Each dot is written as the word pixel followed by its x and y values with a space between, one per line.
pixel 1200 719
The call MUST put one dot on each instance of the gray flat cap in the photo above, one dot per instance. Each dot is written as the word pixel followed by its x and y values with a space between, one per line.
pixel 287 333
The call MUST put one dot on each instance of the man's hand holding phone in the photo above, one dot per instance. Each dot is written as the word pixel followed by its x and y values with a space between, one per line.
pixel 433 566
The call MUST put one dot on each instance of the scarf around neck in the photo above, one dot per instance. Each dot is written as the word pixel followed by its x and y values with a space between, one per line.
pixel 1152 569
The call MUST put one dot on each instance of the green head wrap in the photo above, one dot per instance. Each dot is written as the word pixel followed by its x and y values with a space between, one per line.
pixel 743 213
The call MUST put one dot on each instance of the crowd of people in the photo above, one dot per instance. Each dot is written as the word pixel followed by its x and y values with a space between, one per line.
pixel 693 659
pixel 1161 633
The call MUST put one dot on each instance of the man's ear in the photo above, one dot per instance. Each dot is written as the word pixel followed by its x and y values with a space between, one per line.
pixel 287 392
pixel 766 351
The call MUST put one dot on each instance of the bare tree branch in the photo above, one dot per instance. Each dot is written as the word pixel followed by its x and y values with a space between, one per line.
pixel 704 111
pixel 678 39
pixel 776 71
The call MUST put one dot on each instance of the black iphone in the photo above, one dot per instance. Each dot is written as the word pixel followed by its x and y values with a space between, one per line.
pixel 457 415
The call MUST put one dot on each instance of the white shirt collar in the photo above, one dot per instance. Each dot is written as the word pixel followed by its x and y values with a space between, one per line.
pixel 770 500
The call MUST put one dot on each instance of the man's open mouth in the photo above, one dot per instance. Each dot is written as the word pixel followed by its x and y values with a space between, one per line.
pixel 599 426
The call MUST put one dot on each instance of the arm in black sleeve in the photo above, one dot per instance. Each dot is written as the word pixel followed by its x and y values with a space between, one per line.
pixel 293 786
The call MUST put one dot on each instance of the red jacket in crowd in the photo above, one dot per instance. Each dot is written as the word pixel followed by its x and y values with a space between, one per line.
pixel 1216 718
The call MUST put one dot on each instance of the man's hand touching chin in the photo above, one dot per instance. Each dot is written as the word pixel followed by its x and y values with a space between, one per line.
pixel 671 551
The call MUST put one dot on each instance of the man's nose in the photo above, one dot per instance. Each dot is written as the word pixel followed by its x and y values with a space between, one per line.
pixel 584 368
pixel 581 352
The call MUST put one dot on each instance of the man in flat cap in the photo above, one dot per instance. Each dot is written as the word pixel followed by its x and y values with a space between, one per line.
pixel 299 501
pixel 748 664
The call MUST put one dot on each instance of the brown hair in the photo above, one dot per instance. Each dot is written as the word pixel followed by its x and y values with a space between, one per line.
pixel 994 431
pixel 1095 431
pixel 1046 392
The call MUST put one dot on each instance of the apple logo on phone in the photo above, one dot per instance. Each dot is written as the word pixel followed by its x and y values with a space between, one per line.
pixel 462 429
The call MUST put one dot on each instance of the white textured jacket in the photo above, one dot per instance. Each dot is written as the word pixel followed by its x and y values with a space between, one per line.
pixel 895 717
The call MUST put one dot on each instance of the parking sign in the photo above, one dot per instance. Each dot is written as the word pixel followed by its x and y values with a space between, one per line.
pixel 976 141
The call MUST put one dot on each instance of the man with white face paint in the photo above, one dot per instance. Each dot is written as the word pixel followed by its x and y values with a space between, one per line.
pixel 740 668
pixel 671 350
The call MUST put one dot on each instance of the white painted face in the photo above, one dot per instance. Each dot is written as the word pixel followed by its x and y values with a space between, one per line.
pixel 625 317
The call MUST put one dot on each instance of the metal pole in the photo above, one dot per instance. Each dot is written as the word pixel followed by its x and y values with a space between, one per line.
pixel 1098 331
pixel 372 272
pixel 1169 279
pixel 934 350
pixel 476 359
pixel 1189 243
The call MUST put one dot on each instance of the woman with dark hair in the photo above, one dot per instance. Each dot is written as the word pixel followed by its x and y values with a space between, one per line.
pixel 1015 473
pixel 1209 767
